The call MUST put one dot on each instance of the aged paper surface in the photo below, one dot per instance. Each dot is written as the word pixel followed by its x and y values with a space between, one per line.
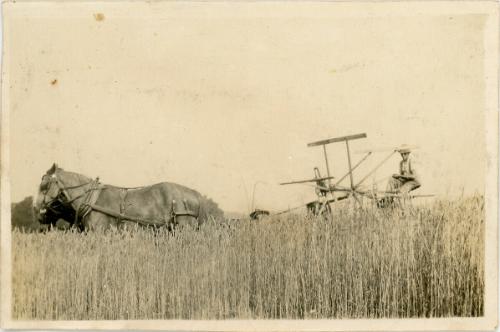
pixel 223 97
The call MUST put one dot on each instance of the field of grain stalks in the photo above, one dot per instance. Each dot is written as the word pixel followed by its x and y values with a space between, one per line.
pixel 422 262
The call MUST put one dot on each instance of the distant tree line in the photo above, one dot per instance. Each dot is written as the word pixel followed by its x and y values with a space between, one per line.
pixel 22 215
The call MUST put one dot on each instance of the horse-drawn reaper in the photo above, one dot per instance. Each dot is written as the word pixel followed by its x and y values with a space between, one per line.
pixel 329 191
pixel 89 204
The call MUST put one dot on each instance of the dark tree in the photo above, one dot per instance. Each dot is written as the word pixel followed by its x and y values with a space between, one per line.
pixel 22 215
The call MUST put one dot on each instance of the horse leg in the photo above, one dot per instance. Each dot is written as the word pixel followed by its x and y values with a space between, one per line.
pixel 186 221
pixel 98 221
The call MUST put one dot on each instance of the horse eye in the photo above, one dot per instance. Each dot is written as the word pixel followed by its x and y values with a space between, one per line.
pixel 44 186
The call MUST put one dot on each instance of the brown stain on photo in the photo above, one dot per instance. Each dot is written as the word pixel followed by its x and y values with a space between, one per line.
pixel 53 82
pixel 99 17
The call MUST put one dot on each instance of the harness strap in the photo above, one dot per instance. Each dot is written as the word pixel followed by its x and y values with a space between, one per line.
pixel 89 205
pixel 92 194
pixel 123 195
pixel 120 216
pixel 186 211
pixel 65 192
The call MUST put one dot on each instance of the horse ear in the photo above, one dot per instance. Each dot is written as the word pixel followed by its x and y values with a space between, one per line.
pixel 53 169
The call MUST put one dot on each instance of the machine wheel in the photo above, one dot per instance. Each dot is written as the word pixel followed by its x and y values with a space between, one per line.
pixel 318 208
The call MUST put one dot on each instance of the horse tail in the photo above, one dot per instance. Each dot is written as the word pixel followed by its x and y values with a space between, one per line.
pixel 208 209
pixel 202 210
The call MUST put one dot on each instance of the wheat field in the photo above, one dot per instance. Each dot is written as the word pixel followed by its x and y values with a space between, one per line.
pixel 426 261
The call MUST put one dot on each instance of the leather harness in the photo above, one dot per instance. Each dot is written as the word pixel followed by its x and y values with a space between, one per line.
pixel 91 195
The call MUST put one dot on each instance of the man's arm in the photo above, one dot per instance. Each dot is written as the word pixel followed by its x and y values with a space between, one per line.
pixel 413 176
pixel 414 173
pixel 401 176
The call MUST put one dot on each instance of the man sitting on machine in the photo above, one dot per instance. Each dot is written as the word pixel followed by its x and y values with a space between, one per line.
pixel 407 179
pixel 403 182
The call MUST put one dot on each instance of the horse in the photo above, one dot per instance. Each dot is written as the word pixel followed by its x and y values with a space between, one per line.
pixel 89 205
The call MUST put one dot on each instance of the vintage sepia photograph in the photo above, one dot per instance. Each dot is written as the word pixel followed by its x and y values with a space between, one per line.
pixel 270 165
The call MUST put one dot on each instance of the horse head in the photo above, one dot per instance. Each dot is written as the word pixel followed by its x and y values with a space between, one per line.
pixel 53 200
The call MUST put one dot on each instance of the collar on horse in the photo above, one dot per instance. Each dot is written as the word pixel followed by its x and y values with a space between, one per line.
pixel 91 196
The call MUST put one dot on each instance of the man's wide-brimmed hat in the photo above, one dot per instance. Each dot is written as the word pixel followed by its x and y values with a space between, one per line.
pixel 404 149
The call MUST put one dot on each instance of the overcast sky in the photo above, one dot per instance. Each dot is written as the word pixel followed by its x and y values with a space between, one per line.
pixel 219 97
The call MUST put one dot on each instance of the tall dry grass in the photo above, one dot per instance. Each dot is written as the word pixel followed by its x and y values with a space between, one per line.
pixel 421 262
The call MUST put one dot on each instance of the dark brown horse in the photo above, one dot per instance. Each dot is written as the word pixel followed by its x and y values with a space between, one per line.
pixel 88 204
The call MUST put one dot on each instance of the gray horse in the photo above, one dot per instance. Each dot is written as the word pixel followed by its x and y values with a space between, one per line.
pixel 88 204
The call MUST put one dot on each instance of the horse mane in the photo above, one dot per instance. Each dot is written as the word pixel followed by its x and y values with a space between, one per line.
pixel 72 178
